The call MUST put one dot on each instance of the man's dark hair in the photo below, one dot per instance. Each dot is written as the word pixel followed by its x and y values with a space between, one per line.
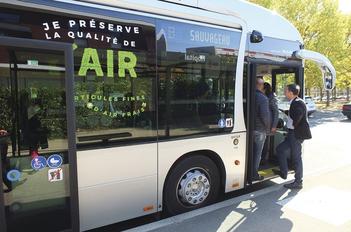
pixel 268 89
pixel 294 88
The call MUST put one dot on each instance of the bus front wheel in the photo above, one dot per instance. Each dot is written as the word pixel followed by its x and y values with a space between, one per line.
pixel 193 183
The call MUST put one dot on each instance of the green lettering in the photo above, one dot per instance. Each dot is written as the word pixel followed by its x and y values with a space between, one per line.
pixel 110 66
pixel 90 54
pixel 124 65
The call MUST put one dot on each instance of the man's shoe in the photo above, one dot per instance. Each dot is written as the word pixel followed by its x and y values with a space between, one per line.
pixel 8 190
pixel 258 178
pixel 294 185
pixel 279 173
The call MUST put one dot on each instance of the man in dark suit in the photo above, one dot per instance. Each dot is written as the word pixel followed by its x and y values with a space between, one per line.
pixel 298 131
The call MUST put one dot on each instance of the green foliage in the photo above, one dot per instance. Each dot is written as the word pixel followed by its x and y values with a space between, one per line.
pixel 89 119
pixel 5 112
pixel 265 3
pixel 324 29
pixel 52 113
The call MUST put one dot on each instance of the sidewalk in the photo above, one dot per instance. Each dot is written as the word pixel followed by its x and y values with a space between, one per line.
pixel 323 205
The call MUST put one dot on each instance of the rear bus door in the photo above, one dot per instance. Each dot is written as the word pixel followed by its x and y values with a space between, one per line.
pixel 38 178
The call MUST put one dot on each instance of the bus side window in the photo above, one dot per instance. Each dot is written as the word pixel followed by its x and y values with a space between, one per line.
pixel 196 72
pixel 115 89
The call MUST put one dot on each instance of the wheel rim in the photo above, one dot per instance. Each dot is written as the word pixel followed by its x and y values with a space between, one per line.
pixel 194 187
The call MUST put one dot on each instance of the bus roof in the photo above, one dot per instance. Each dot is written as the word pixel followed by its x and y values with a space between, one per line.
pixel 268 22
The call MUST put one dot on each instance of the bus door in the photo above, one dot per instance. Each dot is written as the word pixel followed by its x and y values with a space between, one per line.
pixel 278 75
pixel 281 77
pixel 37 142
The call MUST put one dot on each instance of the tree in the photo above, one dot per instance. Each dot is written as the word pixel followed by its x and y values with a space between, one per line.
pixel 344 80
pixel 265 3
pixel 324 29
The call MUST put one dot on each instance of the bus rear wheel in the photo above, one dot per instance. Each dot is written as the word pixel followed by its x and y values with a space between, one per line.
pixel 193 183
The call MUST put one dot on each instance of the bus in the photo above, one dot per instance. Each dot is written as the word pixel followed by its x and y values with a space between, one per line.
pixel 112 110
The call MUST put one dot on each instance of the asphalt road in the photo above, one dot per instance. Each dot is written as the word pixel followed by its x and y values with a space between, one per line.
pixel 323 205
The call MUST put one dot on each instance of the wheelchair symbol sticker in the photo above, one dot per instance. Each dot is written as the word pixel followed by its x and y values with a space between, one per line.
pixel 13 175
pixel 38 163
pixel 55 161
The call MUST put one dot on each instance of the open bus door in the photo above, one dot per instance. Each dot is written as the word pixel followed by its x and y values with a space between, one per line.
pixel 38 156
pixel 278 74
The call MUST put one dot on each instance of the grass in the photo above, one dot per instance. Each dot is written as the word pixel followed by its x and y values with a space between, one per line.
pixel 334 105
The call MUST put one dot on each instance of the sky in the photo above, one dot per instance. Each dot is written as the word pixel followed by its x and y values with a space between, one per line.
pixel 345 6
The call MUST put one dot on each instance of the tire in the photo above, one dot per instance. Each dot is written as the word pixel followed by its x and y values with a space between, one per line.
pixel 177 185
pixel 349 117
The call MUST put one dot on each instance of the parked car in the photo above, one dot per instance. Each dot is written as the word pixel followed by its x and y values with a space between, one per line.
pixel 346 110
pixel 317 98
pixel 311 106
pixel 284 105
pixel 340 97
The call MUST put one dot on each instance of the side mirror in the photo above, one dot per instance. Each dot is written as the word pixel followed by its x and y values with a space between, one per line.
pixel 256 37
pixel 328 79
pixel 280 124
pixel 327 68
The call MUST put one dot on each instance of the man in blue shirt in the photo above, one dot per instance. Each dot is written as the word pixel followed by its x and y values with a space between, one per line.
pixel 262 126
